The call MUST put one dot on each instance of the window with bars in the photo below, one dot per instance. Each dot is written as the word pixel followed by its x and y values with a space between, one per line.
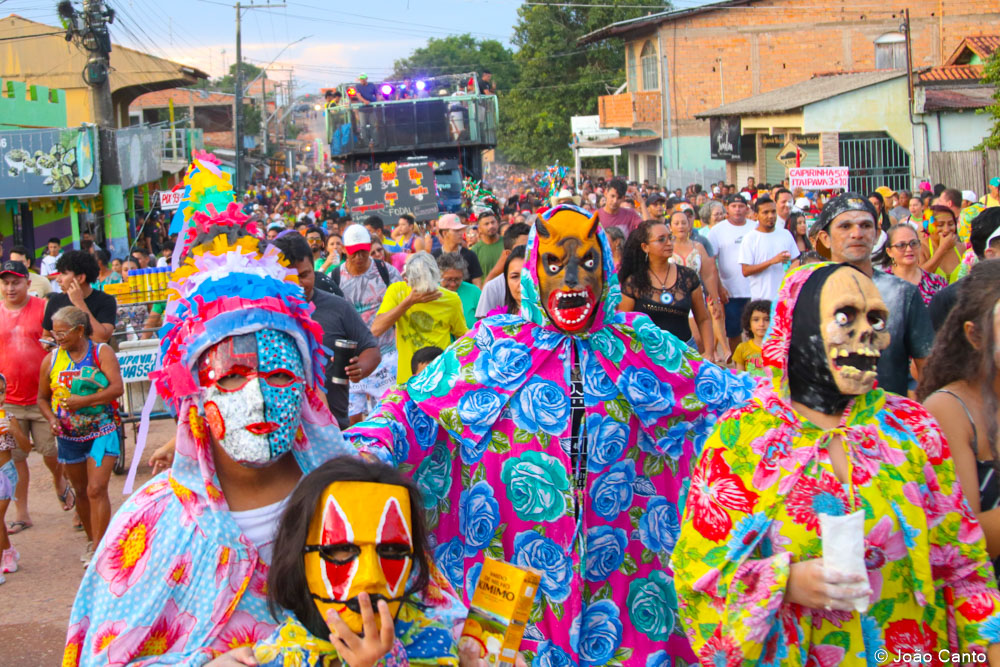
pixel 874 159
pixel 647 60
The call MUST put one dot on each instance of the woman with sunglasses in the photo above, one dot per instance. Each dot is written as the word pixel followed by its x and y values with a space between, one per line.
pixel 79 384
pixel 902 250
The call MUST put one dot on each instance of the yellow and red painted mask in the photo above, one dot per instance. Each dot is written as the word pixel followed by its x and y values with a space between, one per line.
pixel 570 269
pixel 360 540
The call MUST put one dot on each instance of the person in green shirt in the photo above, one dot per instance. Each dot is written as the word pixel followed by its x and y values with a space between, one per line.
pixel 490 246
pixel 454 277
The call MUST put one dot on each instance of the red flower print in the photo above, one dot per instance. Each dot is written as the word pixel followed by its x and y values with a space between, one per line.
pixel 811 497
pixel 919 422
pixel 106 633
pixel 123 559
pixel 720 651
pixel 978 607
pixel 824 655
pixel 714 487
pixel 906 636
pixel 241 630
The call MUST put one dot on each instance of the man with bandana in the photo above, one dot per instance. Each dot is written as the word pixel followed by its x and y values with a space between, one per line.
pixel 560 438
pixel 180 577
pixel 846 232
pixel 821 441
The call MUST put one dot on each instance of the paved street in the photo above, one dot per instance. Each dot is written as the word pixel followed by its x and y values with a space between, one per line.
pixel 36 600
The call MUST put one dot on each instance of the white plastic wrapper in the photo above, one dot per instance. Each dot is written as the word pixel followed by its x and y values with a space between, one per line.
pixel 844 547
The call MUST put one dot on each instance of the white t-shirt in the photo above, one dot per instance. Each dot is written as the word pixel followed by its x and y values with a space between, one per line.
pixel 759 247
pixel 260 526
pixel 726 239
pixel 494 293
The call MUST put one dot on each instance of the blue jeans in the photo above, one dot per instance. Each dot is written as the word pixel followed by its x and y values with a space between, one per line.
pixel 77 451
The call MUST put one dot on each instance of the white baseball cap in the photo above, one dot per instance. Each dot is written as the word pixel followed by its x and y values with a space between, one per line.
pixel 968 195
pixel 357 238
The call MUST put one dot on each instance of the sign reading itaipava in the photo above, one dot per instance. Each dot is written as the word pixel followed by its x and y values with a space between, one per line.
pixel 54 162
pixel 393 190
pixel 136 365
pixel 818 178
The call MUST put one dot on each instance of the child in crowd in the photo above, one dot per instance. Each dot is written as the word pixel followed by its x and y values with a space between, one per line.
pixel 423 357
pixel 349 566
pixel 11 434
pixel 755 320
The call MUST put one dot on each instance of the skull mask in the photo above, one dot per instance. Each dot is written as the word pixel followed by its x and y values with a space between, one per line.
pixel 839 329
pixel 254 390
pixel 570 270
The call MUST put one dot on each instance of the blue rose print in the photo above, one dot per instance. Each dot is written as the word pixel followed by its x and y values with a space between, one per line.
pixel 701 429
pixel 472 578
pixel 710 386
pixel 535 484
pixel 659 659
pixel 550 655
pixel 671 444
pixel 424 428
pixel 478 517
pixel 599 634
pixel 547 339
pixel 433 475
pixel 597 385
pixel 661 346
pixel 607 344
pixel 436 379
pixel 400 443
pixel 659 526
pixel 611 493
pixel 543 554
pixel 652 605
pixel 450 559
pixel 484 338
pixel 504 319
pixel 649 397
pixel 503 365
pixel 541 405
pixel 472 450
pixel 605 552
pixel 479 409
pixel 606 441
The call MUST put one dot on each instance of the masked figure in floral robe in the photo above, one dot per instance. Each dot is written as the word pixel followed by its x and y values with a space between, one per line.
pixel 560 438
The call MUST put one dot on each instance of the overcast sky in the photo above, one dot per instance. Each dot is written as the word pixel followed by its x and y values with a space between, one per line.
pixel 342 38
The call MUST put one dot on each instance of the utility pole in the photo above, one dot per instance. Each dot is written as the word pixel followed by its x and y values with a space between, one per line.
pixel 90 29
pixel 238 186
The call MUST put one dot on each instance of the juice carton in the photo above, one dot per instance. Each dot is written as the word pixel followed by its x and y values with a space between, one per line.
pixel 500 608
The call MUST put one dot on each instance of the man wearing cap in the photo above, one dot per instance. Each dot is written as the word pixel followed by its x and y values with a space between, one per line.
pixel 654 207
pixel 21 356
pixel 726 239
pixel 847 230
pixel 450 229
pixel 364 281
pixel 992 198
pixel 367 92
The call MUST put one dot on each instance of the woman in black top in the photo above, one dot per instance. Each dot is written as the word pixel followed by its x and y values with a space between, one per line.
pixel 959 387
pixel 664 291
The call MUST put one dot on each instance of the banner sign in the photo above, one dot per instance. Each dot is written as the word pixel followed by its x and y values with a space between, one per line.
pixel 171 199
pixel 57 162
pixel 817 178
pixel 391 191
pixel 724 138
pixel 139 151
pixel 136 365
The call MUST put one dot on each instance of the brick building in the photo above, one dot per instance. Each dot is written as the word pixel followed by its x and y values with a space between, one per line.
pixel 682 62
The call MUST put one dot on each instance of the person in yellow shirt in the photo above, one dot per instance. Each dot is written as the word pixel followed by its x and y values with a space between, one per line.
pixel 755 320
pixel 992 198
pixel 423 313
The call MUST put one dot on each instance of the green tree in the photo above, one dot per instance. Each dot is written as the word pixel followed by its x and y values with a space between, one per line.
pixel 991 76
pixel 458 54
pixel 558 78
pixel 228 82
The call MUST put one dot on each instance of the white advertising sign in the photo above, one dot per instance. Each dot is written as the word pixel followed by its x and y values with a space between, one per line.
pixel 171 199
pixel 818 178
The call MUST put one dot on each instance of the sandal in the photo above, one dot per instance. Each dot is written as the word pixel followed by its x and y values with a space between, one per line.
pixel 15 527
pixel 69 494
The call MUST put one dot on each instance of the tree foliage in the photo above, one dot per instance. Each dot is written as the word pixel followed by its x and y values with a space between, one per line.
pixel 991 76
pixel 458 54
pixel 558 78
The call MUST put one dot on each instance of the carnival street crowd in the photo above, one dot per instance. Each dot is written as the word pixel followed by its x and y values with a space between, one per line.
pixel 734 424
